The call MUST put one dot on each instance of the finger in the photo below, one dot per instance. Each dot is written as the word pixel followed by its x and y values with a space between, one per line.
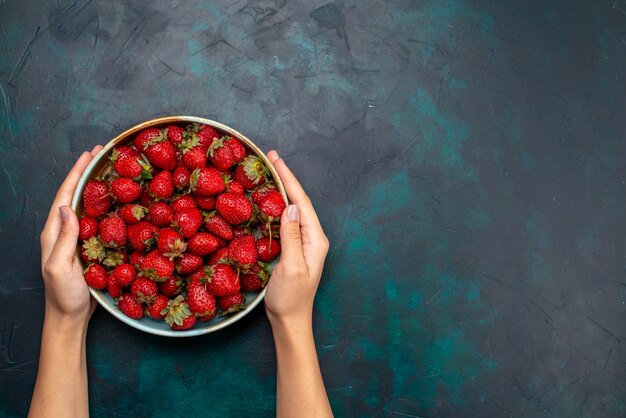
pixel 291 238
pixel 96 150
pixel 63 197
pixel 64 249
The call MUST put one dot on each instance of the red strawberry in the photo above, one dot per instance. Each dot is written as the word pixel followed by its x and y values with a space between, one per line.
pixel 205 202
pixel 220 155
pixel 170 243
pixel 194 157
pixel 240 231
pixel 272 206
pixel 93 250
pixel 157 307
pixel 183 202
pixel 113 231
pixel 267 248
pixel 189 220
pixel 180 177
pixel 115 258
pixel 232 303
pixel 162 186
pixel 144 290
pixel 206 181
pixel 88 227
pixel 237 149
pixel 141 235
pixel 132 213
pixel 136 258
pixel 223 280
pixel 202 243
pixel 96 276
pixel 260 193
pixel 235 187
pixel 156 266
pixel 255 278
pixel 219 256
pixel 242 251
pixel 175 134
pixel 235 208
pixel 146 199
pixel 148 136
pixel 129 306
pixel 125 190
pixel 206 135
pixel 201 302
pixel 158 150
pixel 124 274
pixel 129 163
pixel 216 225
pixel 177 314
pixel 171 286
pixel 96 198
pixel 188 263
pixel 251 172
pixel 160 214
pixel 114 289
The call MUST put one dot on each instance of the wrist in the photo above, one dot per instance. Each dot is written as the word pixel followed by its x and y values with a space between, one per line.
pixel 65 325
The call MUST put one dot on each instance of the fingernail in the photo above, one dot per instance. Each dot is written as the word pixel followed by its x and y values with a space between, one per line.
pixel 63 213
pixel 277 156
pixel 292 213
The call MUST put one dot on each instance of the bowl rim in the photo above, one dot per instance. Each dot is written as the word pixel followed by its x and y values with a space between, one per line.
pixel 98 295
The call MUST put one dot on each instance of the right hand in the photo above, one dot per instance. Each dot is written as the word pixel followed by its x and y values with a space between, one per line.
pixel 294 281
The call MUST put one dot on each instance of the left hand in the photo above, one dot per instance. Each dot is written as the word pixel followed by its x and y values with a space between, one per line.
pixel 67 294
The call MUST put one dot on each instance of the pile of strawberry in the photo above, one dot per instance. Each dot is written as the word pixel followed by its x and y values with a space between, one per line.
pixel 180 225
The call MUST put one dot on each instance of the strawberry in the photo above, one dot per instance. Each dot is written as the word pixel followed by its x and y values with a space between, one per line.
pixel 115 258
pixel 160 214
pixel 156 266
pixel 125 190
pixel 223 280
pixel 160 152
pixel 237 149
pixel 220 155
pixel 96 276
pixel 231 303
pixel 96 198
pixel 129 163
pixel 188 220
pixel 242 251
pixel 129 306
pixel 144 290
pixel 136 258
pixel 183 202
pixel 162 186
pixel 235 208
pixel 235 187
pixel 205 202
pixel 260 193
pixel 188 263
pixel 141 235
pixel 272 206
pixel 255 278
pixel 132 213
pixel 124 274
pixel 148 136
pixel 194 157
pixel 251 172
pixel 240 231
pixel 216 225
pixel 205 134
pixel 88 227
pixel 206 181
pixel 177 314
pixel 146 199
pixel 93 250
pixel 170 243
pixel 175 134
pixel 202 243
pixel 201 302
pixel 114 289
pixel 267 248
pixel 171 287
pixel 219 256
pixel 157 306
pixel 113 231
pixel 180 177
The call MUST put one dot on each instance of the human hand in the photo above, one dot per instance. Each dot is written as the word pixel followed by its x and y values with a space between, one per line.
pixel 294 281
pixel 67 295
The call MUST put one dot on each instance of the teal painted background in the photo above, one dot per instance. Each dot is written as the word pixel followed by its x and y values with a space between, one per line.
pixel 466 159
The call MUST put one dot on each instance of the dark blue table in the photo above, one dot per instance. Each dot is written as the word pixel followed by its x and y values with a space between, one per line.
pixel 466 159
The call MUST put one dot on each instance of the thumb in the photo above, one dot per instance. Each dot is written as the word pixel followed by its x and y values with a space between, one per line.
pixel 65 246
pixel 290 236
